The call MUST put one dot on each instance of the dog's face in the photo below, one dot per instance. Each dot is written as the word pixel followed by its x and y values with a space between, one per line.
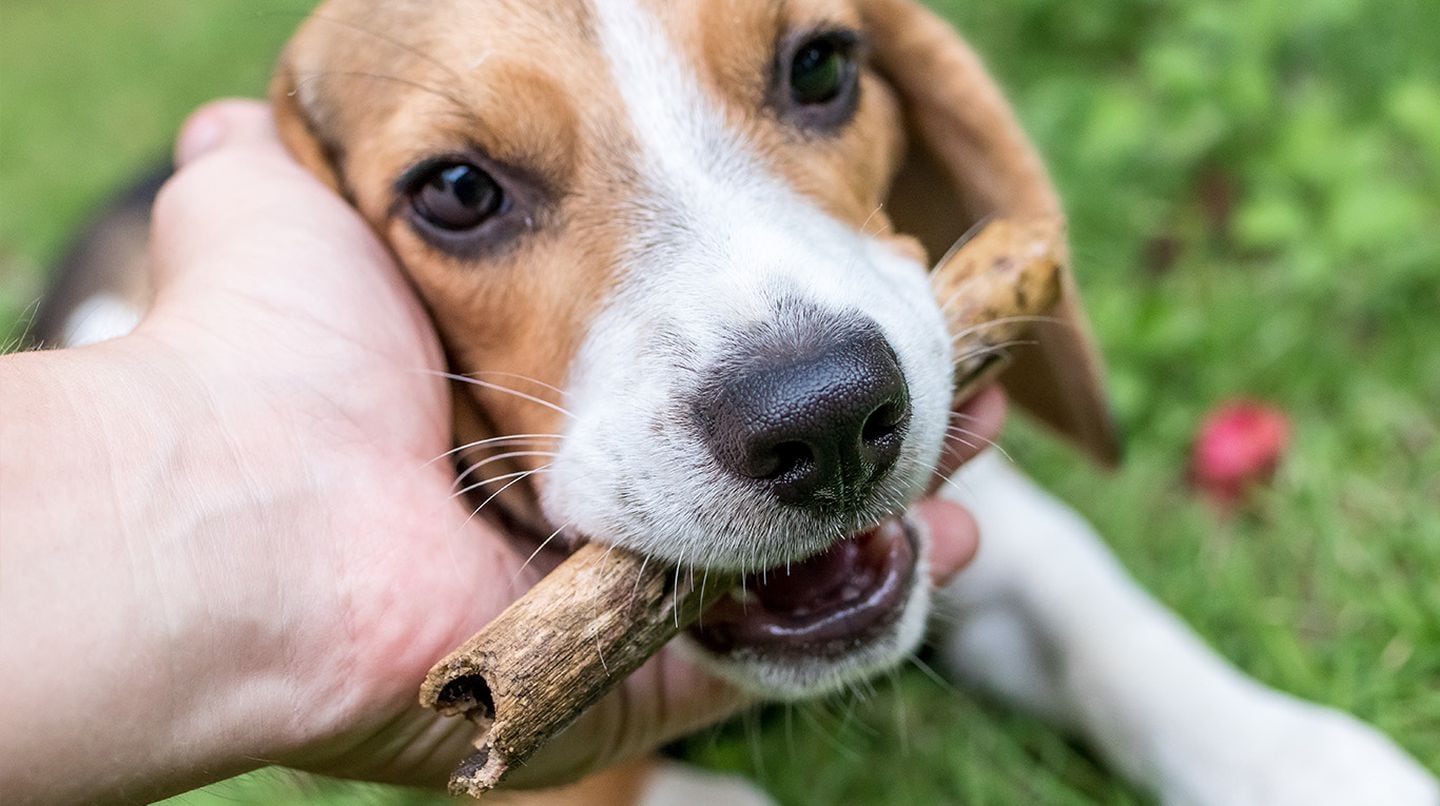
pixel 655 236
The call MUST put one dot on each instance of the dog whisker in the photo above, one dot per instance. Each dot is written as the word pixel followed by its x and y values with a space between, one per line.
pixel 354 26
pixel 968 236
pixel 536 552
pixel 704 577
pixel 955 429
pixel 990 348
pixel 752 737
pixel 495 441
pixel 600 653
pixel 968 493
pixel 862 694
pixel 832 735
pixel 873 213
pixel 867 685
pixel 644 561
pixel 519 477
pixel 498 458
pixel 503 389
pixel 497 373
pixel 967 443
pixel 675 591
pixel 306 78
pixel 1001 348
pixel 502 477
pixel 1007 320
pixel 933 675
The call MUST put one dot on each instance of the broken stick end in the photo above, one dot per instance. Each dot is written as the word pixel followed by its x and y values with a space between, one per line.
pixel 458 688
pixel 479 773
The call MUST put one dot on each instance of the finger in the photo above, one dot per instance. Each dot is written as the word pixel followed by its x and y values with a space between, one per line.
pixel 242 218
pixel 974 427
pixel 235 182
pixel 212 125
pixel 954 537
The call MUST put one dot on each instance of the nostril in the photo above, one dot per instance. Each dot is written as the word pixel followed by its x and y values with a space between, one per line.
pixel 790 456
pixel 779 460
pixel 883 422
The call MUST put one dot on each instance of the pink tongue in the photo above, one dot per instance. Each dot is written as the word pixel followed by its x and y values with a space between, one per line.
pixel 817 580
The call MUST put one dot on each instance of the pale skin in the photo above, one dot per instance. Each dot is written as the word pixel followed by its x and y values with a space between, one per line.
pixel 223 544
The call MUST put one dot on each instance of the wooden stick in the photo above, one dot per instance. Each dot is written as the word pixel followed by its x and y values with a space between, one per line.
pixel 992 287
pixel 583 629
pixel 603 612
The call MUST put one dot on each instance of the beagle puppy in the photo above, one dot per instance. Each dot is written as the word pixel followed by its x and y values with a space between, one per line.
pixel 677 254
pixel 692 227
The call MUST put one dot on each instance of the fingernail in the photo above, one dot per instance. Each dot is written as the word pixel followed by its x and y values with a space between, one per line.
pixel 202 134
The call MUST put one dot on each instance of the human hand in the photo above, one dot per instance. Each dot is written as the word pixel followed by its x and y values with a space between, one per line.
pixel 282 559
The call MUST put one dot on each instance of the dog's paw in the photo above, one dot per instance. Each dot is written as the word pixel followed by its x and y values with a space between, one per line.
pixel 1305 755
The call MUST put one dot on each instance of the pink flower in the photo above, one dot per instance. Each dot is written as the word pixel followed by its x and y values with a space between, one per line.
pixel 1239 447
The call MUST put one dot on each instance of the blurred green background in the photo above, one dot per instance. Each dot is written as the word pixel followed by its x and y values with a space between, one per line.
pixel 1254 190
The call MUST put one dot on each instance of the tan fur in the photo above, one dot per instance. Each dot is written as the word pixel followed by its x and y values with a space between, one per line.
pixel 377 107
pixel 367 88
pixel 846 173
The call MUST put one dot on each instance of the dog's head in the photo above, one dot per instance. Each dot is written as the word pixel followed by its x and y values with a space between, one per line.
pixel 680 251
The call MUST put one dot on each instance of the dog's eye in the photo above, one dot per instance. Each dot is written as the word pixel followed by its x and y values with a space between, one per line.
pixel 817 80
pixel 818 71
pixel 457 197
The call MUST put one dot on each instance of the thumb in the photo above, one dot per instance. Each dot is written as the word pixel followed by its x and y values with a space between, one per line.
pixel 241 215
pixel 232 121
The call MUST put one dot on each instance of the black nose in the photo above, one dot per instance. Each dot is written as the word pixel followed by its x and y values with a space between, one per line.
pixel 818 423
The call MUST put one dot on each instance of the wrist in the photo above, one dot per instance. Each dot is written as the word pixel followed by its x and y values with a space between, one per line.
pixel 141 635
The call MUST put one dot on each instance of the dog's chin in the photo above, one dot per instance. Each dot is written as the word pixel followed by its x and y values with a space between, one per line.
pixel 812 627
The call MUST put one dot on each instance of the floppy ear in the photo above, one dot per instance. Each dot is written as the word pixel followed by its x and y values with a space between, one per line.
pixel 967 160
pixel 298 127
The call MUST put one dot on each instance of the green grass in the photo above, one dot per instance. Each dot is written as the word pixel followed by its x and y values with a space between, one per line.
pixel 1255 200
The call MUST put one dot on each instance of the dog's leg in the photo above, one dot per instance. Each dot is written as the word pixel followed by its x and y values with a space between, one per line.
pixel 1047 618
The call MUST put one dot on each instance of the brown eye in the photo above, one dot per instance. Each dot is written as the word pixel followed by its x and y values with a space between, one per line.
pixel 817 80
pixel 818 72
pixel 457 197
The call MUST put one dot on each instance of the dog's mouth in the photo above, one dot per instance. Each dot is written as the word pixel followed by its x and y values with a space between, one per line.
pixel 827 605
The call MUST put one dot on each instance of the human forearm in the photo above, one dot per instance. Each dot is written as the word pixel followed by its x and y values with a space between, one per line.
pixel 97 518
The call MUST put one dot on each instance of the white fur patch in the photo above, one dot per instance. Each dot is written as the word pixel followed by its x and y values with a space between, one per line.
pixel 719 242
pixel 100 318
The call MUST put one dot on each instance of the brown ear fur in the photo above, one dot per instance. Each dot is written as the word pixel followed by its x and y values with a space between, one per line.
pixel 969 160
pixel 297 127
